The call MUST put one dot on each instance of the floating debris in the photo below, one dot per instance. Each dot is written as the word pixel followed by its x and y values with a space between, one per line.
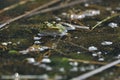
pixel 105 43
pixel 92 48
pixel 113 25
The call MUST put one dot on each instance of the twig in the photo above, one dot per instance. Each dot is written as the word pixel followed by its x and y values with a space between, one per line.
pixel 91 62
pixel 58 7
pixel 14 5
pixel 28 13
pixel 96 71
pixel 104 20
pixel 82 47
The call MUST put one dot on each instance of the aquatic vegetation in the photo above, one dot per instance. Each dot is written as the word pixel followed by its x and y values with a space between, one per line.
pixel 13 52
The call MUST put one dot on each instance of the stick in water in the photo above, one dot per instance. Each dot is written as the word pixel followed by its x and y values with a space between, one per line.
pixel 96 71
pixel 28 13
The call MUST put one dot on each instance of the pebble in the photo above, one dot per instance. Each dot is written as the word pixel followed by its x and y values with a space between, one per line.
pixel 24 51
pixel 46 60
pixel 4 44
pixel 30 60
pixel 105 43
pixel 42 65
pixel 74 69
pixel 58 77
pixel 92 48
pixel 113 25
pixel 37 42
pixel 37 38
pixel 86 4
pixel 62 69
pixel 76 37
pixel 44 77
pixel 101 59
pixel 73 63
pixel 48 68
pixel 82 69
pixel 78 52
pixel 43 48
pixel 92 12
pixel 94 54
pixel 9 42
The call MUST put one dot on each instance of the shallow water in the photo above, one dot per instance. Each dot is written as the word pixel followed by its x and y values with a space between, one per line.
pixel 56 63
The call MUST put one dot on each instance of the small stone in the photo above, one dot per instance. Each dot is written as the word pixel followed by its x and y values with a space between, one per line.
pixel 30 60
pixel 78 52
pixel 16 75
pixel 76 37
pixel 92 48
pixel 44 77
pixel 73 63
pixel 101 59
pixel 36 63
pixel 46 60
pixel 86 4
pixel 99 53
pixel 94 54
pixel 4 44
pixel 62 69
pixel 42 65
pixel 105 43
pixel 43 48
pixel 91 12
pixel 48 68
pixel 37 42
pixel 37 38
pixel 24 51
pixel 113 25
pixel 58 77
pixel 82 69
pixel 74 69
pixel 9 42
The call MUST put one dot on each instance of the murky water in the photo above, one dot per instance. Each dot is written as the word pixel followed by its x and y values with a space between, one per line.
pixel 31 49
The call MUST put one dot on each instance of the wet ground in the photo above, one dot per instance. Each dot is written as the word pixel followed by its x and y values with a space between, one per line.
pixel 24 51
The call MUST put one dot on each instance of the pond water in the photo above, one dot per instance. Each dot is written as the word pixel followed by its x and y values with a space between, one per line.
pixel 56 45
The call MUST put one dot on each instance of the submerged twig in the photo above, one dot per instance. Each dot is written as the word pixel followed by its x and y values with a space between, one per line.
pixel 91 62
pixel 96 71
pixel 59 7
pixel 14 5
pixel 82 47
pixel 104 20
pixel 28 13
